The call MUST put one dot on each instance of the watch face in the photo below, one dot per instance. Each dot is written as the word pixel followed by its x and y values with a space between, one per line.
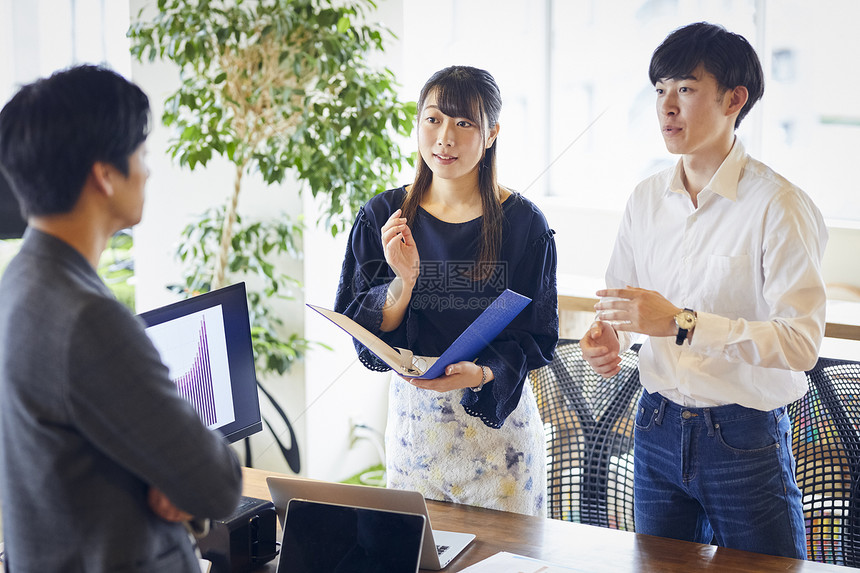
pixel 685 319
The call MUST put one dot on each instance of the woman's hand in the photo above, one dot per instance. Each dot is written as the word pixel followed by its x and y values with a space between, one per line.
pixel 401 252
pixel 458 375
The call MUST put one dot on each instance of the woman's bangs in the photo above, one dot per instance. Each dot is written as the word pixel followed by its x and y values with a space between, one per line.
pixel 459 99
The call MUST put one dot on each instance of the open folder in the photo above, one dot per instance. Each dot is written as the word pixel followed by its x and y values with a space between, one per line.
pixel 475 338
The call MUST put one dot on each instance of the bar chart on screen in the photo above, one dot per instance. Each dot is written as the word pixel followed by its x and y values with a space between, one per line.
pixel 195 384
pixel 194 349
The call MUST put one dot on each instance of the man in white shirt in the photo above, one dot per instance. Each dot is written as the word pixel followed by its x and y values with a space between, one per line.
pixel 718 261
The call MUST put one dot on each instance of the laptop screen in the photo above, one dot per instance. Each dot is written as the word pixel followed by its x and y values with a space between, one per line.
pixel 331 538
pixel 205 341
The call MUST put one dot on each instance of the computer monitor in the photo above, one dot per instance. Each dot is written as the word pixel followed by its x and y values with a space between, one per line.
pixel 205 341
pixel 12 223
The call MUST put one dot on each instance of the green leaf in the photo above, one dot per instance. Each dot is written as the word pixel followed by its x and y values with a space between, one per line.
pixel 343 25
pixel 327 119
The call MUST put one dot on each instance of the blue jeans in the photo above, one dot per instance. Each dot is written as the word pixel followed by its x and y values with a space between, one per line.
pixel 722 474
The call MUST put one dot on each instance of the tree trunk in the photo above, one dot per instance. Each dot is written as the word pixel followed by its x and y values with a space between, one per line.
pixel 222 260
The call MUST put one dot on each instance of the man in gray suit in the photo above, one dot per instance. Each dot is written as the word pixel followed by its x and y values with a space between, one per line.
pixel 101 460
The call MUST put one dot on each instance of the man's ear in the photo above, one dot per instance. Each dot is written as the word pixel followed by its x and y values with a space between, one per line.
pixel 101 177
pixel 491 138
pixel 737 99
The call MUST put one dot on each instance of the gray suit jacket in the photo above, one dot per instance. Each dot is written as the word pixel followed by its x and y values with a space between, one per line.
pixel 89 421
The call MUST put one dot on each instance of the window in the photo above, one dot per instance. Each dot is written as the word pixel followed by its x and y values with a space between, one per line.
pixel 578 121
pixel 599 61
pixel 38 37
pixel 811 123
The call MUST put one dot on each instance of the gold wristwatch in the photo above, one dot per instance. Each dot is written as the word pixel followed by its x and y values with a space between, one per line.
pixel 686 321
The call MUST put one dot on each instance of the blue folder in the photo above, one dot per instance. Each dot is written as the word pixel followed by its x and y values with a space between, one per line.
pixel 475 338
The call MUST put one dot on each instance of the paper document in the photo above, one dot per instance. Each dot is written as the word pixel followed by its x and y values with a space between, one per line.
pixel 475 338
pixel 510 563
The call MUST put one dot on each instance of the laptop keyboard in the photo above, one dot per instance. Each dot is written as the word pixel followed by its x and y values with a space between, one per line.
pixel 440 549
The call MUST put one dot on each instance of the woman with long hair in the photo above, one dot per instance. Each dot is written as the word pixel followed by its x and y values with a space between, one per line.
pixel 423 261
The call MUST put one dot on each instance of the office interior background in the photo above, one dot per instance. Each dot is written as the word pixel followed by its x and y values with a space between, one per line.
pixel 578 131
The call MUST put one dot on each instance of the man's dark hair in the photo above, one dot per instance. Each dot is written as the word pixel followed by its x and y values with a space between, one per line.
pixel 53 130
pixel 727 56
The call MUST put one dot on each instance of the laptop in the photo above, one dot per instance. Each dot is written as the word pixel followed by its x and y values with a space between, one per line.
pixel 335 538
pixel 438 548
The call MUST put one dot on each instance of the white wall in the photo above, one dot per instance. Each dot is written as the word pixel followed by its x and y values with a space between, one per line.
pixel 340 390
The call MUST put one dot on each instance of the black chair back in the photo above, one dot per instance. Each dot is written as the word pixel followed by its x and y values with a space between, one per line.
pixel 589 423
pixel 826 444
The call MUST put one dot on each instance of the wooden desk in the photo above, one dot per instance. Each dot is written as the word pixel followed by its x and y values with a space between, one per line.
pixel 588 549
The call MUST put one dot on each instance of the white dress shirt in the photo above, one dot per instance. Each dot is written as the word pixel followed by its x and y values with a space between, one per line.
pixel 748 261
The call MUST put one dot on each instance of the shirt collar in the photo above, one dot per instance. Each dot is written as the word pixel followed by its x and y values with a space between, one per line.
pixel 725 181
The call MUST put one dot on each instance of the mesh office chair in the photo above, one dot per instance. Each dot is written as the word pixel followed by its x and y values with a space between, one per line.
pixel 826 436
pixel 589 425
